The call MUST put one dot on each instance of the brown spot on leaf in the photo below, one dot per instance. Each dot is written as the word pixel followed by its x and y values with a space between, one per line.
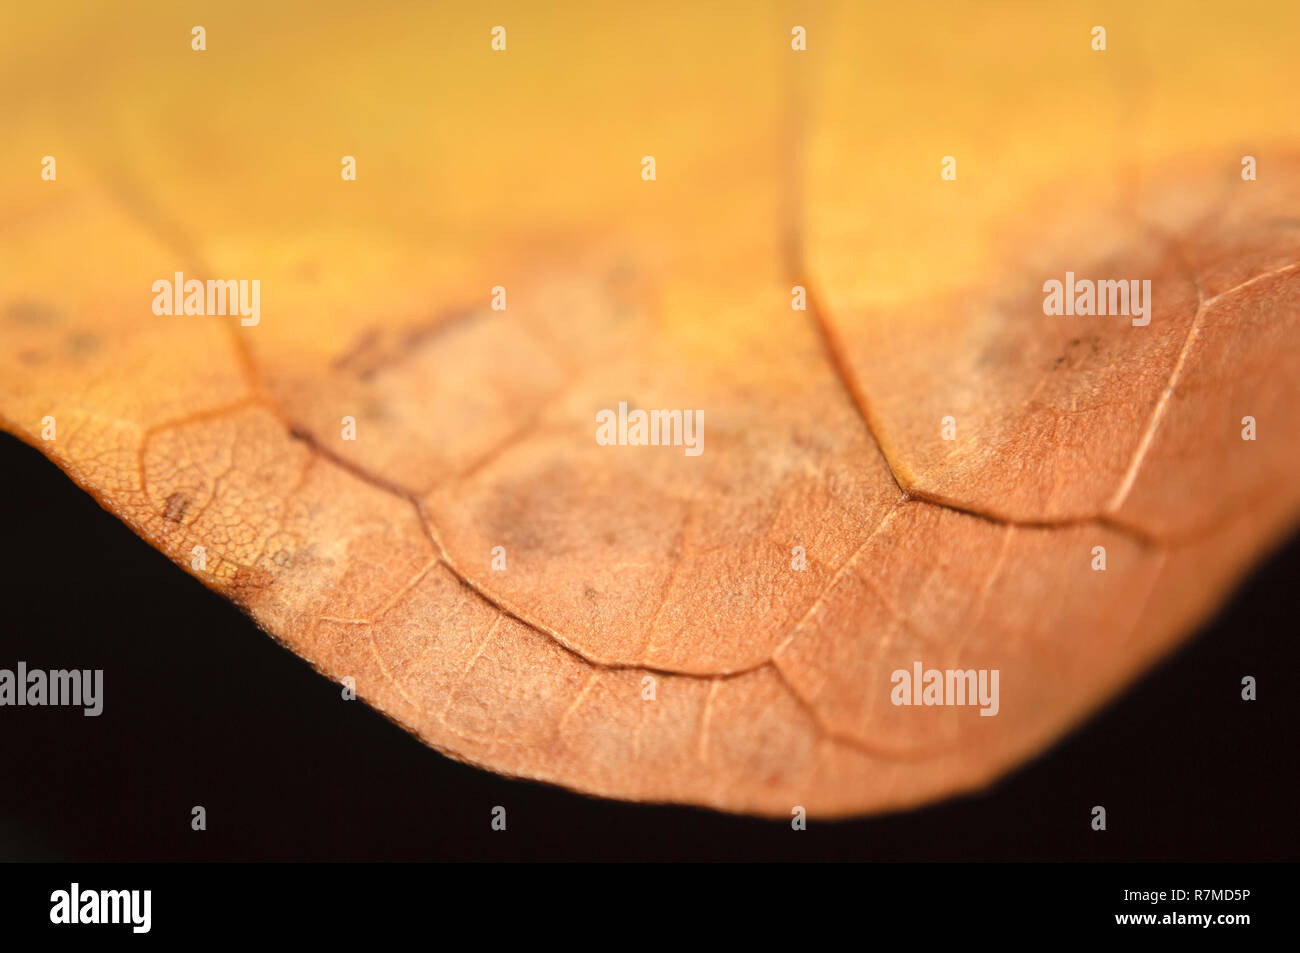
pixel 177 504
pixel 82 343
pixel 33 312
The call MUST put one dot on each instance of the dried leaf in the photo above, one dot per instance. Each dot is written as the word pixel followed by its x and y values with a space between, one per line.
pixel 636 568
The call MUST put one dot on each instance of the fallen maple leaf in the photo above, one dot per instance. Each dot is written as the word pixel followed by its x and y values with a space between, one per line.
pixel 635 621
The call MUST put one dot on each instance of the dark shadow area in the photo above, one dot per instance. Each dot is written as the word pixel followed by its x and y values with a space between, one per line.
pixel 202 708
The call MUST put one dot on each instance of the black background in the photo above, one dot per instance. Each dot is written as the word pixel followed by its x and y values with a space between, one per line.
pixel 203 708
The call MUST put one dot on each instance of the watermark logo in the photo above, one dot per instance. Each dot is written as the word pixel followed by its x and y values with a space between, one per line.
pixel 947 687
pixel 58 687
pixel 653 428
pixel 74 905
pixel 1103 297
pixel 222 297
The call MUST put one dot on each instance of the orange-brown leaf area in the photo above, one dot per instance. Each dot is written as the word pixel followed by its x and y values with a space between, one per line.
pixel 650 636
